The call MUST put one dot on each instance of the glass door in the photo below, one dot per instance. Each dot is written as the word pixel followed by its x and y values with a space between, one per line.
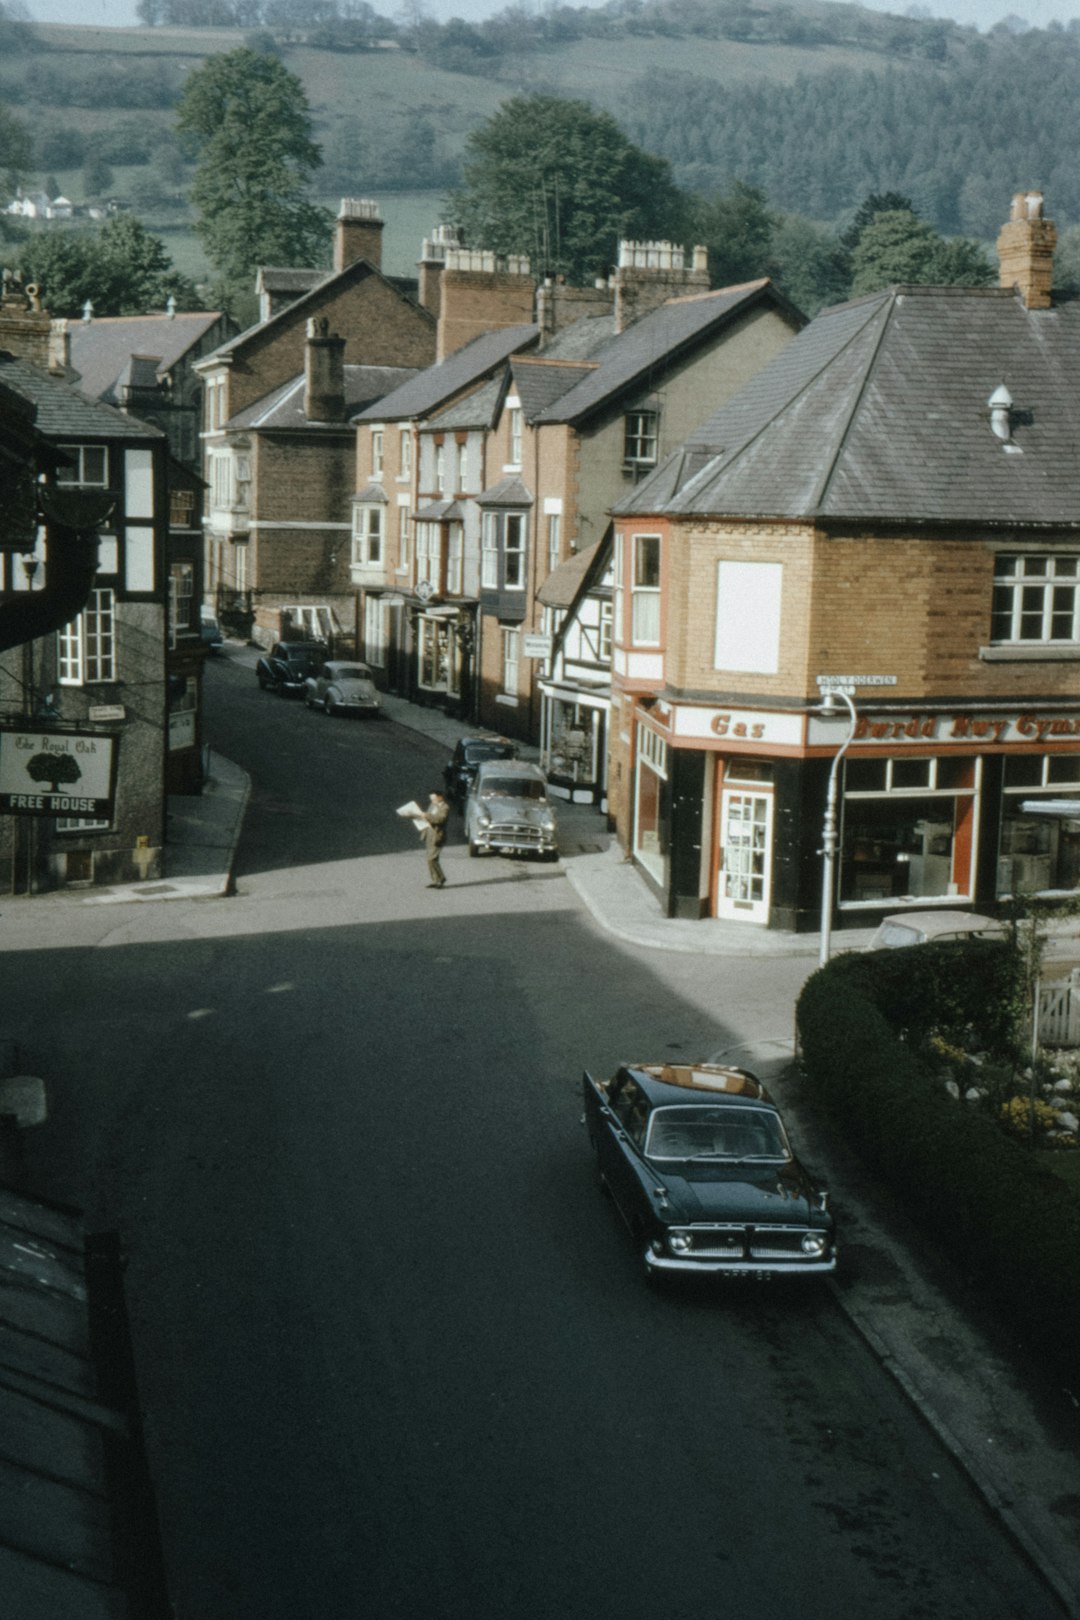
pixel 745 856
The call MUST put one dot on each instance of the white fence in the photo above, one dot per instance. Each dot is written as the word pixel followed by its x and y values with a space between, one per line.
pixel 1059 1012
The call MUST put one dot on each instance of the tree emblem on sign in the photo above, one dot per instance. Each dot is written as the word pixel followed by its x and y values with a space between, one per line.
pixel 54 769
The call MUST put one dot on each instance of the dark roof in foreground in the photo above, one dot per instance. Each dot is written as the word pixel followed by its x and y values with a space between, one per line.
pixel 879 411
pixel 63 411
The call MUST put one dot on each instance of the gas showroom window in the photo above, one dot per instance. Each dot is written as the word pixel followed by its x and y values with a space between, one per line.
pixel 908 829
pixel 367 536
pixel 1040 839
pixel 1036 598
pixel 86 648
pixel 650 820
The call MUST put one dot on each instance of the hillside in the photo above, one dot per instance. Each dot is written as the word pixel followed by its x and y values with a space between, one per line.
pixel 816 105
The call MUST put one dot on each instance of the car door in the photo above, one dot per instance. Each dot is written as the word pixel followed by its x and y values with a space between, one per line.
pixel 622 1119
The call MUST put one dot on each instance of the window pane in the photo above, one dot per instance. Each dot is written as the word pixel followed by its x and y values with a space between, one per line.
pixel 908 773
pixel 647 561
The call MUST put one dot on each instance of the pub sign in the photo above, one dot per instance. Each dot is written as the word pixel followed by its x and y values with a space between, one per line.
pixel 58 773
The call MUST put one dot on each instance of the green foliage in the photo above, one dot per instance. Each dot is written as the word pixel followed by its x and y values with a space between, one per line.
pixel 897 246
pixel 122 269
pixel 737 228
pixel 248 122
pixel 560 182
pixel 987 1199
pixel 809 264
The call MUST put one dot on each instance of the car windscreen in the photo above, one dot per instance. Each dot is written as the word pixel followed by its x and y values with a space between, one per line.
pixel 350 674
pixel 890 936
pixel 512 787
pixel 734 1134
pixel 476 751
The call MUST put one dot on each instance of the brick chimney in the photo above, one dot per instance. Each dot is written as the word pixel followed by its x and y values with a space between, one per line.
pixel 324 373
pixel 481 293
pixel 649 273
pixel 358 233
pixel 1025 248
pixel 432 263
pixel 559 306
pixel 25 328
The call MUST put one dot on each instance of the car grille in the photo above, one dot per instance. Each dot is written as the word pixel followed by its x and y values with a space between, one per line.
pixel 748 1242
pixel 520 834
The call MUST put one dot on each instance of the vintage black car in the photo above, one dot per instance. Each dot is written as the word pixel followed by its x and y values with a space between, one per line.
pixel 698 1163
pixel 288 664
pixel 460 771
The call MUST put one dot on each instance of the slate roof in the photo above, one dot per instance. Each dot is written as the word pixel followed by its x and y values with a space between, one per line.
pixel 878 412
pixel 507 492
pixel 540 382
pixel 100 348
pixel 439 383
pixel 64 412
pixel 476 410
pixel 564 583
pixel 657 339
pixel 284 407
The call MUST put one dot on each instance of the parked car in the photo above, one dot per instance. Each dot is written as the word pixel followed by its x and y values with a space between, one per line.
pixel 508 810
pixel 211 633
pixel 917 927
pixel 342 687
pixel 288 664
pixel 460 769
pixel 698 1164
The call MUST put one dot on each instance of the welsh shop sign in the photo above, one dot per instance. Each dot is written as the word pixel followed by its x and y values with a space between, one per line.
pixel 58 773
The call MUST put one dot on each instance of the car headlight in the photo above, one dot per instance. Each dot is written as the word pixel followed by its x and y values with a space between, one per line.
pixel 547 824
pixel 680 1242
pixel 483 819
pixel 814 1243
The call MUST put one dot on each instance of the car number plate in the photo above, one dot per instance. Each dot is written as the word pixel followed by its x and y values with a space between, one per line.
pixel 746 1274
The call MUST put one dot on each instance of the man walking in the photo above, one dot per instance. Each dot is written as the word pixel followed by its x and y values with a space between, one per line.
pixel 434 836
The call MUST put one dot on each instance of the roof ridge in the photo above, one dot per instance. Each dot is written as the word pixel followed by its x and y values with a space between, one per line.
pixel 889 308
pixel 717 292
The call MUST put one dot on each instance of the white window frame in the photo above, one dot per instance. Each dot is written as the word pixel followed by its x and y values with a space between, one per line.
pixel 554 540
pixel 455 558
pixel 404 452
pixel 489 551
pixel 515 524
pixel 511 660
pixel 429 554
pixel 641 430
pixel 181 600
pixel 85 473
pixel 515 428
pixel 618 599
pixel 86 648
pixel 1036 599
pixel 403 520
pixel 377 452
pixel 645 596
pixel 368 533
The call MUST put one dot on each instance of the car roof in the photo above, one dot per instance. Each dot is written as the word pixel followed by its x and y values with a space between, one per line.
pixel 932 923
pixel 301 646
pixel 349 663
pixel 685 1082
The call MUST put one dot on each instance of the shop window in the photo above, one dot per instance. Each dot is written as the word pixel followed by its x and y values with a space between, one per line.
pixel 650 819
pixel 1039 849
pixel 181 600
pixel 434 654
pixel 913 836
pixel 1036 599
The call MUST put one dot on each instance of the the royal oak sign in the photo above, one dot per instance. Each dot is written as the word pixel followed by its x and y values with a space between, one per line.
pixel 58 773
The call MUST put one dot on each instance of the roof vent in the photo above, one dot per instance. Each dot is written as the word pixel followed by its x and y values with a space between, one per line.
pixel 1001 420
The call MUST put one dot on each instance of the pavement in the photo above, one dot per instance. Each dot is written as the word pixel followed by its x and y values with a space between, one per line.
pixel 1015 1434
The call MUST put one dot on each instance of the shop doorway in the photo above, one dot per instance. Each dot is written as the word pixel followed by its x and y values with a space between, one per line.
pixel 745 856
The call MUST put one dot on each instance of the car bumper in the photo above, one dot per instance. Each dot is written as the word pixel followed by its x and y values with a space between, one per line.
pixel 493 839
pixel 754 1270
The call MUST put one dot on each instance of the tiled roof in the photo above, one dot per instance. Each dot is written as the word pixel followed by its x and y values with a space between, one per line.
pixel 654 340
pixel 439 383
pixel 476 410
pixel 581 339
pixel 563 583
pixel 64 412
pixel 284 406
pixel 100 348
pixel 540 382
pixel 507 492
pixel 879 411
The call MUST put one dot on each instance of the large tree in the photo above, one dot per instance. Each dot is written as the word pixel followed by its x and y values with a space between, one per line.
pixel 246 119
pixel 121 269
pixel 898 246
pixel 560 182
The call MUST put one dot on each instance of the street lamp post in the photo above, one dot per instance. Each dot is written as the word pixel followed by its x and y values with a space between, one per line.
pixel 828 835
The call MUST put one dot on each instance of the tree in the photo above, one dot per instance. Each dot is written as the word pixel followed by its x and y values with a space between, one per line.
pixel 811 268
pixel 560 182
pixel 737 228
pixel 120 269
pixel 247 120
pixel 898 246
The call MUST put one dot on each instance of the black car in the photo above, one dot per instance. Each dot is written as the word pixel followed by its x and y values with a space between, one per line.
pixel 460 771
pixel 699 1166
pixel 288 664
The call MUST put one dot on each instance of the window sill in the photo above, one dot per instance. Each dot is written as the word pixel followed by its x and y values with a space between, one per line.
pixel 506 699
pixel 1043 652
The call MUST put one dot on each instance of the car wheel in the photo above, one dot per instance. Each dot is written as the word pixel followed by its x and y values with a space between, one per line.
pixel 474 847
pixel 329 706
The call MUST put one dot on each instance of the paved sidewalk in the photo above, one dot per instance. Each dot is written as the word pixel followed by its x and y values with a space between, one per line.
pixel 1019 1446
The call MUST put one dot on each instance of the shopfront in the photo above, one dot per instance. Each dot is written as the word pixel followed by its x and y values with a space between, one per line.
pixel 938 808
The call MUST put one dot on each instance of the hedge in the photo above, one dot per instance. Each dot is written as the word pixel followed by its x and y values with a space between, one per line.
pixel 988 1200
